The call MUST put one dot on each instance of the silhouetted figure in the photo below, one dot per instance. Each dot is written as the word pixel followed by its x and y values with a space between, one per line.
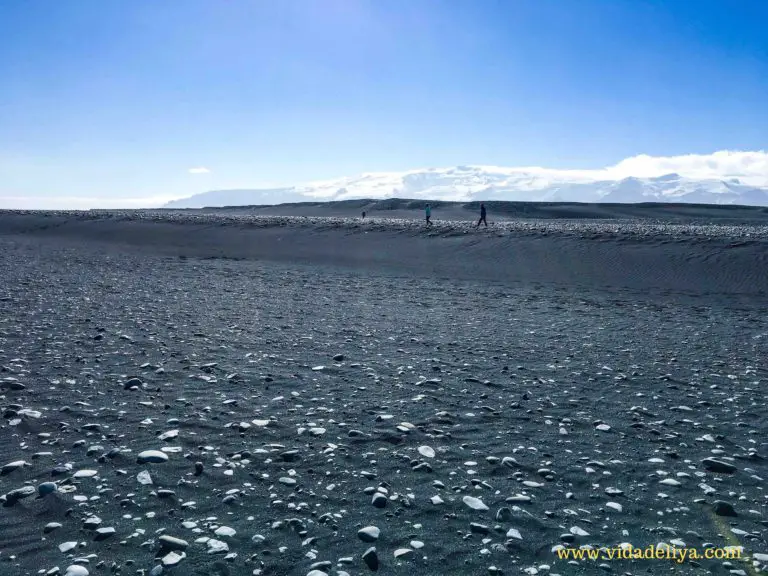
pixel 482 217
pixel 428 212
pixel 363 214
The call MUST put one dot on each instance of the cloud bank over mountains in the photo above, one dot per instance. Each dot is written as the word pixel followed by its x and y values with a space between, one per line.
pixel 724 177
pixel 750 168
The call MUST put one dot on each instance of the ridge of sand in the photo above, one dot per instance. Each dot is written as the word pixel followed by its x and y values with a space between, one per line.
pixel 638 255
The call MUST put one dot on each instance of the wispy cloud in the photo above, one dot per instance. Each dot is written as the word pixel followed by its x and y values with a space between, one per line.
pixel 199 170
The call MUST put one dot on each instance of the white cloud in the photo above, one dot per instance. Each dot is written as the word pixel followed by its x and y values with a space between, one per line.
pixel 199 170
pixel 749 167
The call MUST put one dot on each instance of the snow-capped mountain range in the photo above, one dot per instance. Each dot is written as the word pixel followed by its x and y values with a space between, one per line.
pixel 468 183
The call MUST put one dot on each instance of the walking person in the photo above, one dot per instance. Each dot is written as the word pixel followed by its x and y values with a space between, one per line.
pixel 482 216
pixel 363 214
pixel 428 212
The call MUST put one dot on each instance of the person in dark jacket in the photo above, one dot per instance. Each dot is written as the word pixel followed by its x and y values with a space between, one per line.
pixel 482 217
pixel 428 213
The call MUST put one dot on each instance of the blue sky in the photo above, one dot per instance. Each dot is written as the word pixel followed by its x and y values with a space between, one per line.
pixel 122 98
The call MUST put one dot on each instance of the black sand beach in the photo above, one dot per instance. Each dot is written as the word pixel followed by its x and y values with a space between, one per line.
pixel 478 399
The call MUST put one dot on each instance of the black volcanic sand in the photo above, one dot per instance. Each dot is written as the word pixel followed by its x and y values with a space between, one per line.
pixel 506 210
pixel 645 256
pixel 590 384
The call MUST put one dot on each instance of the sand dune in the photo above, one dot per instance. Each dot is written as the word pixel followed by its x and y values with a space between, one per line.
pixel 642 255
pixel 506 210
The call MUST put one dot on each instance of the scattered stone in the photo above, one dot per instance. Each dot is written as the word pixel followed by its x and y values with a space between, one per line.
pixel 225 532
pixel 379 500
pixel 718 466
pixel 478 528
pixel 12 467
pixel 173 558
pixel 426 451
pixel 104 533
pixel 217 546
pixel 369 534
pixel 67 546
pixel 670 482
pixel 144 478
pixel 172 543
pixel 14 496
pixel 371 559
pixel 92 522
pixel 151 457
pixel 170 434
pixel 474 503
pixel 723 508
pixel 46 488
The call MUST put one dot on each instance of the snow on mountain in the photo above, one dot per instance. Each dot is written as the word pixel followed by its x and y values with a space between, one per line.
pixel 467 183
